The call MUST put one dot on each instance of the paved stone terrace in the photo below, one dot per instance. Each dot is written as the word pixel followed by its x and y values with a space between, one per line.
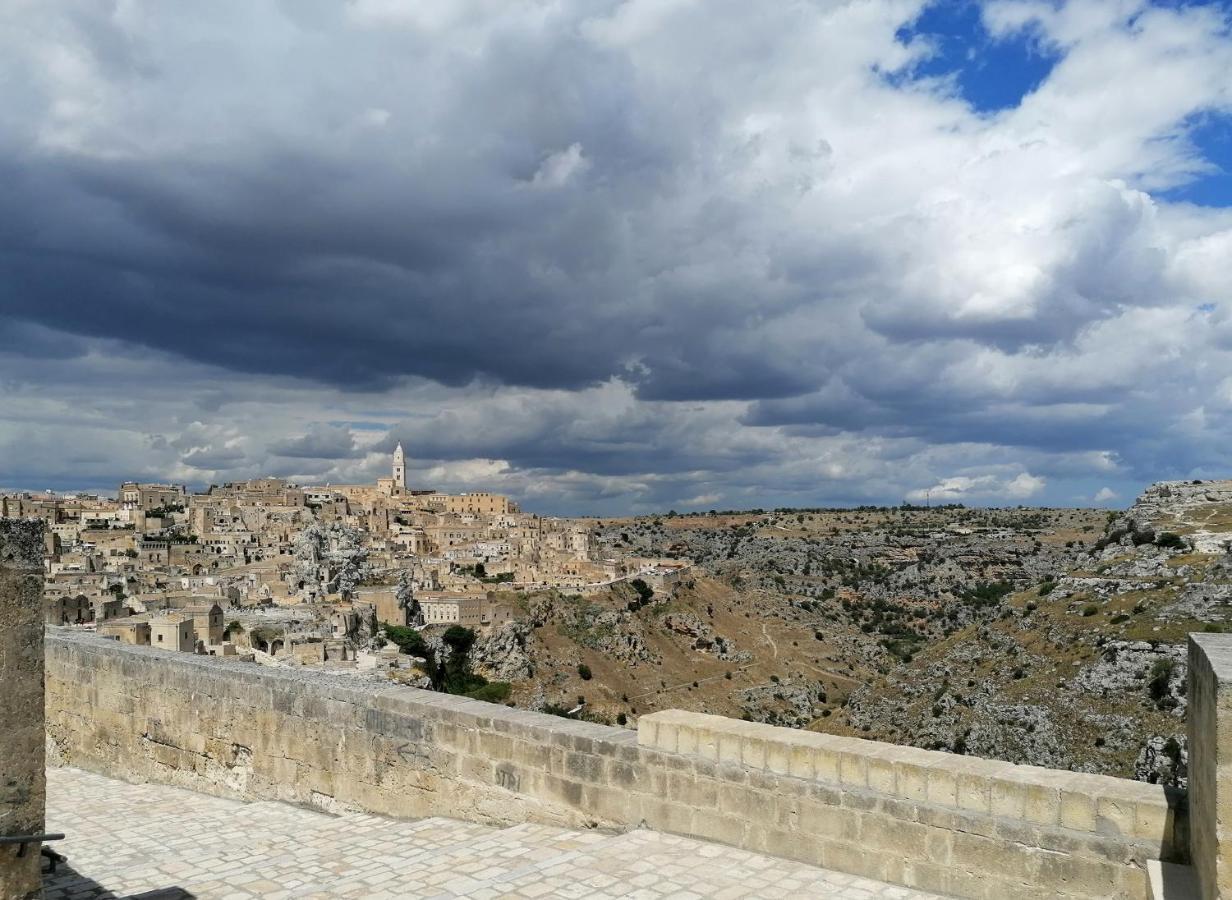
pixel 153 841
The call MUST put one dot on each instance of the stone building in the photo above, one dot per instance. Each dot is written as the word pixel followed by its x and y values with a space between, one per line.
pixel 472 612
pixel 129 630
pixel 173 631
pixel 145 497
pixel 206 621
pixel 479 503
pixel 68 610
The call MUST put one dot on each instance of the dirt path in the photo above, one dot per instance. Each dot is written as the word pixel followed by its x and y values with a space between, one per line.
pixel 770 640
pixel 687 684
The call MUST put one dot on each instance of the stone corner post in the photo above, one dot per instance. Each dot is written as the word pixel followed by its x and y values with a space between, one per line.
pixel 23 781
pixel 1210 762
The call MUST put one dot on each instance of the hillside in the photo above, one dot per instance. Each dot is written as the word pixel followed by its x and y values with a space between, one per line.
pixel 1048 636
pixel 1086 671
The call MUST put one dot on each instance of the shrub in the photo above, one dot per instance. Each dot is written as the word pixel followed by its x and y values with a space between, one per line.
pixel 644 591
pixel 1090 609
pixel 1160 681
pixel 408 640
pixel 987 593
pixel 1118 619
pixel 584 672
pixel 1170 541
pixel 622 719
pixel 492 692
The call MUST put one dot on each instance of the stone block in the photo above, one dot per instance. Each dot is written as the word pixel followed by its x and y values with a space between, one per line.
pixel 972 853
pixel 1042 804
pixel 881 774
pixel 686 738
pixel 1078 810
pixel 714 826
pixel 1115 816
pixel 826 764
pixel 801 761
pixel 853 769
pixel 611 804
pixel 708 743
pixel 828 822
pixel 974 791
pixel 778 756
pixel 666 736
pixel 1008 798
pixel 662 815
pixel 943 786
pixel 894 837
pixel 731 747
pixel 753 750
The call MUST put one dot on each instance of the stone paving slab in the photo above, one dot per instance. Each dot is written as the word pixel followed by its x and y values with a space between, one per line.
pixel 163 843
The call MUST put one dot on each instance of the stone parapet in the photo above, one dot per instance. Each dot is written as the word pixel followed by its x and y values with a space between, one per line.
pixel 941 821
pixel 944 823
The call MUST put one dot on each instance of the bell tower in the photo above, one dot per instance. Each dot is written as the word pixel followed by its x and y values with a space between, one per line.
pixel 399 469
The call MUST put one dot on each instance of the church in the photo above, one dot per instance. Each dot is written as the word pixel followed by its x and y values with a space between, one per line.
pixel 479 503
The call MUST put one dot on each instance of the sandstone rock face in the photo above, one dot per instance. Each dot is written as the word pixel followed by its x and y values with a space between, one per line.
pixel 1131 666
pixel 22 778
pixel 703 637
pixel 500 655
pixel 1164 760
pixel 783 704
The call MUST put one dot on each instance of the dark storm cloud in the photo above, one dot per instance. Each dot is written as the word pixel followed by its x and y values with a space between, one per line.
pixel 705 242
pixel 321 442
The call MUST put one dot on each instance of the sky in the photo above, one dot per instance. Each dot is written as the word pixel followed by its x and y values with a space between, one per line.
pixel 619 256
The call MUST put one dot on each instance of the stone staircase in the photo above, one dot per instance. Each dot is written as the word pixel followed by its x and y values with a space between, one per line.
pixel 154 841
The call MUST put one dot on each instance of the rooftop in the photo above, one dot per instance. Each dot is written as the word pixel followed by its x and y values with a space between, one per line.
pixel 155 841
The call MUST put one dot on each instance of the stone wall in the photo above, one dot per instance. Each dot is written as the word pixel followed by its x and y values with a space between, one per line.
pixel 22 779
pixel 971 828
pixel 1210 760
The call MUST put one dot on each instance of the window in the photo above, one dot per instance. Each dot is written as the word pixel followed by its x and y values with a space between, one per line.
pixel 160 638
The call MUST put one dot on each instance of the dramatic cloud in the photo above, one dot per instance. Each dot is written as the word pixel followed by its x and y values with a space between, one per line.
pixel 618 255
pixel 981 487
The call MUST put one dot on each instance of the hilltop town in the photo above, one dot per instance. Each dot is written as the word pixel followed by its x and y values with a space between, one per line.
pixel 289 575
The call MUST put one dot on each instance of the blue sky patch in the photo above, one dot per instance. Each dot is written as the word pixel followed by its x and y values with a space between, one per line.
pixel 990 74
pixel 1212 135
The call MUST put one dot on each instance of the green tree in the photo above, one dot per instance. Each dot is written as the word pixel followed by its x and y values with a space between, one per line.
pixel 459 639
pixel 408 640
